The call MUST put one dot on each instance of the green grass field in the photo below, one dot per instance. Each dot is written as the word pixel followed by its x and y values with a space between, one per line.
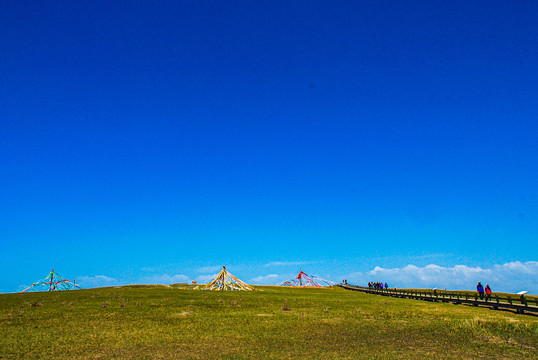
pixel 276 323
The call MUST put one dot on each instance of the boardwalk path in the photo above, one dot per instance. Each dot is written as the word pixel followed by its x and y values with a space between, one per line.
pixel 520 304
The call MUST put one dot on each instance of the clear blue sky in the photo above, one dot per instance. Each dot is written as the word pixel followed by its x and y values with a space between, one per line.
pixel 151 140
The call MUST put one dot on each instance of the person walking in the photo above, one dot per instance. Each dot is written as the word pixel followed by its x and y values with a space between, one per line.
pixel 480 290
pixel 488 292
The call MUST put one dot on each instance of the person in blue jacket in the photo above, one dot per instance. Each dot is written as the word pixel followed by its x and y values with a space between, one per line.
pixel 480 290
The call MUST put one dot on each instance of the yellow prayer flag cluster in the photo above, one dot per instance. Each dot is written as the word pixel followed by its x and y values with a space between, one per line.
pixel 226 281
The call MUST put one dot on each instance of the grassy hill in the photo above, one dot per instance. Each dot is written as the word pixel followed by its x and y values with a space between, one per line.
pixel 277 323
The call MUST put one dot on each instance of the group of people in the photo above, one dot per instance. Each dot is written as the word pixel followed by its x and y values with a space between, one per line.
pixel 377 285
pixel 481 290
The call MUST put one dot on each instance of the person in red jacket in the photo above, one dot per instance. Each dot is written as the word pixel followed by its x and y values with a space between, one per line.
pixel 488 292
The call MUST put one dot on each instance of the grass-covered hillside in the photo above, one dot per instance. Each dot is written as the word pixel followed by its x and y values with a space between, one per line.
pixel 275 323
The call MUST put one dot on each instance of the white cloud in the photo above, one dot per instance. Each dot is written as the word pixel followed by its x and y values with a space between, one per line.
pixel 20 288
pixel 288 263
pixel 510 277
pixel 96 281
pixel 149 269
pixel 270 279
pixel 204 279
pixel 165 279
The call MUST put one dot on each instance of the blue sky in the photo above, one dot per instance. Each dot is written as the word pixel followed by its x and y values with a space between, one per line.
pixel 145 142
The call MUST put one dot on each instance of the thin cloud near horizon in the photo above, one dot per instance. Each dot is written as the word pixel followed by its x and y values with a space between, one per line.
pixel 508 277
pixel 289 263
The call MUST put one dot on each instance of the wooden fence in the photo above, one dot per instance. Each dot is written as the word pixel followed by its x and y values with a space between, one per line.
pixel 521 304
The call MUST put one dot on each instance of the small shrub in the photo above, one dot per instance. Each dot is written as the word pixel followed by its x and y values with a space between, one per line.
pixel 36 304
pixel 234 302
pixel 285 307
pixel 326 310
pixel 105 304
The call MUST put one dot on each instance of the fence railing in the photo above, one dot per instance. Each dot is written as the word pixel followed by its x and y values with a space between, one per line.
pixel 519 303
